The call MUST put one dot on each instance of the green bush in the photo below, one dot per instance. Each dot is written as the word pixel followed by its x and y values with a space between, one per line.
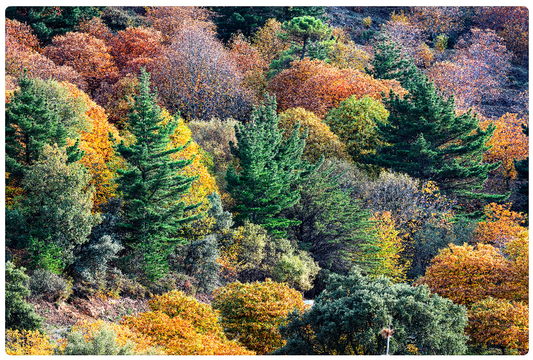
pixel 50 286
pixel 103 343
pixel 19 314
pixel 349 315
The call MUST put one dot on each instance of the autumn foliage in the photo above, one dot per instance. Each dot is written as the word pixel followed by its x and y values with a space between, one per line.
pixel 508 144
pixel 142 344
pixel 467 274
pixel 500 226
pixel 320 139
pixel 318 87
pixel 27 342
pixel 99 156
pixel 86 54
pixel 253 312
pixel 500 324
pixel 182 326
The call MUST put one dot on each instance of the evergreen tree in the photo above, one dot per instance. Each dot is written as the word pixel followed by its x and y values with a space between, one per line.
pixel 151 185
pixel 55 214
pixel 389 63
pixel 425 138
pixel 247 19
pixel 331 225
pixel 307 28
pixel 30 124
pixel 263 180
pixel 50 21
pixel 522 168
pixel 19 314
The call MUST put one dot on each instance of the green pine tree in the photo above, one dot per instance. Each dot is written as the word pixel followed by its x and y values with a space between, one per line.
pixel 307 28
pixel 263 180
pixel 50 21
pixel 30 124
pixel 389 63
pixel 331 224
pixel 425 138
pixel 151 185
pixel 247 19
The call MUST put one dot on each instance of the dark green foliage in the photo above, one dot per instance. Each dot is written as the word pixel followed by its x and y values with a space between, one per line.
pixel 430 239
pixel 348 316
pixel 151 185
pixel 52 287
pixel 306 29
pixel 389 63
pixel 331 225
pixel 311 36
pixel 522 168
pixel 30 124
pixel 56 211
pixel 19 314
pixel 247 19
pixel 50 21
pixel 263 179
pixel 425 138
pixel 119 18
pixel 200 262
pixel 102 343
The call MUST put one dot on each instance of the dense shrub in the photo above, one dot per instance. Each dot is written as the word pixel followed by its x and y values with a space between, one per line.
pixel 101 338
pixel 50 286
pixel 320 139
pixel 180 325
pixel 256 256
pixel 91 262
pixel 253 312
pixel 27 342
pixel 103 342
pixel 19 314
pixel 201 262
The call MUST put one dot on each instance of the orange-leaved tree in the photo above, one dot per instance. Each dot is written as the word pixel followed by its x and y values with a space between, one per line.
pixel 134 48
pixel 250 63
pixel 253 312
pixel 467 274
pixel 501 324
pixel 320 139
pixel 501 225
pixel 21 54
pixel 181 326
pixel 319 87
pixel 507 144
pixel 86 54
pixel 170 20
pixel 99 156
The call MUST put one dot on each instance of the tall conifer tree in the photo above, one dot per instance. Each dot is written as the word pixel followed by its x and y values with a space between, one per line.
pixel 263 181
pixel 425 137
pixel 151 185
pixel 29 126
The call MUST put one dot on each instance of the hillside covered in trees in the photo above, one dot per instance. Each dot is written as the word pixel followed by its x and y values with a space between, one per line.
pixel 178 180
